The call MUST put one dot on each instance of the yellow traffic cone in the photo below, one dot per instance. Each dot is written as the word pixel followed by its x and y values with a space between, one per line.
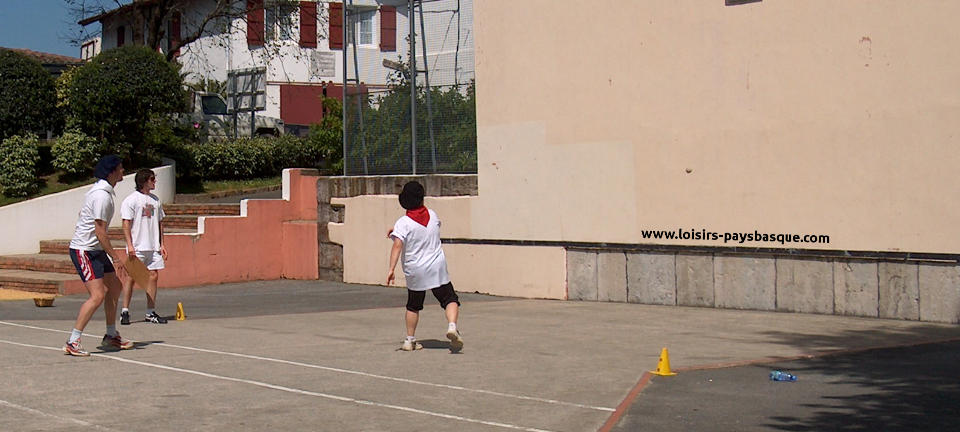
pixel 180 315
pixel 663 366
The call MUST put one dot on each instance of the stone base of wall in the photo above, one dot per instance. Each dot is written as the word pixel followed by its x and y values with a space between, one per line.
pixel 909 290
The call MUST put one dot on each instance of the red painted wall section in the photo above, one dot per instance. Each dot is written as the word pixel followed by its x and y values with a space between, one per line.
pixel 275 239
pixel 301 104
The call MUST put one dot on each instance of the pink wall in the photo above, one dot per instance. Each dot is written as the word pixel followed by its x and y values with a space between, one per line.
pixel 275 239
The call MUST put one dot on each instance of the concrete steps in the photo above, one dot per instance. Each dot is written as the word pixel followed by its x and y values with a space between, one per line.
pixel 52 272
pixel 62 246
pixel 52 263
pixel 201 210
pixel 188 222
pixel 41 282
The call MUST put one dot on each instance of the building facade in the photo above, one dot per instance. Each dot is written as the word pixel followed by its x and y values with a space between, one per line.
pixel 301 45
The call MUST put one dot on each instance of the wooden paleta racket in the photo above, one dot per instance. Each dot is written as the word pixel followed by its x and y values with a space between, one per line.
pixel 137 270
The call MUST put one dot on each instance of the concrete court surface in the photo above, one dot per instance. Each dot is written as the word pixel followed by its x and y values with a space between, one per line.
pixel 308 355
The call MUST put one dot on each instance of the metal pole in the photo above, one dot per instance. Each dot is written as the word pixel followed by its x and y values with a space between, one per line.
pixel 413 88
pixel 343 105
pixel 426 82
pixel 456 54
pixel 253 106
pixel 356 73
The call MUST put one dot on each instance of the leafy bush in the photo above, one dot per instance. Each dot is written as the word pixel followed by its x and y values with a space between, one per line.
pixel 184 156
pixel 240 159
pixel 18 165
pixel 326 139
pixel 250 157
pixel 114 97
pixel 76 153
pixel 27 96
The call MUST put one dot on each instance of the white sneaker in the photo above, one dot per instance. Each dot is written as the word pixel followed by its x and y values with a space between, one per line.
pixel 456 342
pixel 411 345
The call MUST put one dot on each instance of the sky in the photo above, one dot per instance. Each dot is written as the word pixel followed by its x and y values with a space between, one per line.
pixel 38 25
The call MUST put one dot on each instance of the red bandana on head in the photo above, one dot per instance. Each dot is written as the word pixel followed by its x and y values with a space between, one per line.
pixel 420 215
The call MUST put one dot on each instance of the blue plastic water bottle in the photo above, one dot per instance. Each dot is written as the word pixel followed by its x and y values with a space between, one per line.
pixel 781 376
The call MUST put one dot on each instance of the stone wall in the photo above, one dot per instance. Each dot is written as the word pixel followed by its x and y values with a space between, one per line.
pixel 909 290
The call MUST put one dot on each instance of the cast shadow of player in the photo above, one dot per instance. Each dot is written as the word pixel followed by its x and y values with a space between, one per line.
pixel 136 345
pixel 436 344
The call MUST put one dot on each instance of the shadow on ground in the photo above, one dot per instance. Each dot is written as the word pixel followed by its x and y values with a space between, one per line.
pixel 913 388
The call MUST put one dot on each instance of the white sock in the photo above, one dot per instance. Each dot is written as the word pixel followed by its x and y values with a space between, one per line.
pixel 411 338
pixel 149 312
pixel 75 335
pixel 111 330
pixel 452 326
pixel 124 310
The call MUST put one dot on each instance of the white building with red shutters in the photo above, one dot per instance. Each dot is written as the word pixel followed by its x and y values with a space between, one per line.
pixel 301 45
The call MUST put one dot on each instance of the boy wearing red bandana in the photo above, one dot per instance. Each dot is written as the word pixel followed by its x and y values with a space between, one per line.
pixel 416 238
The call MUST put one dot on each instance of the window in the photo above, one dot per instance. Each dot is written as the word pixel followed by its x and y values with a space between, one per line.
pixel 121 33
pixel 279 21
pixel 363 26
pixel 213 105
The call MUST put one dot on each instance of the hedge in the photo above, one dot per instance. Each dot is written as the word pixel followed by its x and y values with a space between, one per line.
pixel 19 157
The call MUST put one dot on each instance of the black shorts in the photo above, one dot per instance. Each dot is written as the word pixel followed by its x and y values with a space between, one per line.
pixel 444 294
pixel 91 265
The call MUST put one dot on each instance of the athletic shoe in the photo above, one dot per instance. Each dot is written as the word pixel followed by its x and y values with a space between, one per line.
pixel 74 349
pixel 411 345
pixel 456 342
pixel 115 342
pixel 125 318
pixel 156 319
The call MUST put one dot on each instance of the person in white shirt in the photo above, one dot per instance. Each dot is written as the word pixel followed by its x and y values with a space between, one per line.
pixel 89 250
pixel 142 215
pixel 416 237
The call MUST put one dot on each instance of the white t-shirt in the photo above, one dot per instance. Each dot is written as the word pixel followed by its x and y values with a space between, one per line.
pixel 97 205
pixel 144 211
pixel 424 264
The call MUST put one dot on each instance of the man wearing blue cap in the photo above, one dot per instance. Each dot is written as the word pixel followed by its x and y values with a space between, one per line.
pixel 89 251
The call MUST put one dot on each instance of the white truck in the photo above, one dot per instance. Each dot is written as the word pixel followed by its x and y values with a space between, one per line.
pixel 208 112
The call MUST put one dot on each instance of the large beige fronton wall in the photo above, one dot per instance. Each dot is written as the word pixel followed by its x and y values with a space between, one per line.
pixel 803 117
pixel 536 272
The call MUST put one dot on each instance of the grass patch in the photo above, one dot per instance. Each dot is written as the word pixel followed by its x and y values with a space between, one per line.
pixel 51 185
pixel 209 186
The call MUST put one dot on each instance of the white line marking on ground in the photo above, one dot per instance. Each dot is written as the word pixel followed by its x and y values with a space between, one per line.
pixel 65 419
pixel 294 390
pixel 347 371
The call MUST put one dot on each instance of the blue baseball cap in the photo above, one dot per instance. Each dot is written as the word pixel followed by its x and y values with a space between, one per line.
pixel 106 166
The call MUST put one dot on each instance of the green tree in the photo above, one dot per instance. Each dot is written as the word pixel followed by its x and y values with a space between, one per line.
pixel 27 96
pixel 114 97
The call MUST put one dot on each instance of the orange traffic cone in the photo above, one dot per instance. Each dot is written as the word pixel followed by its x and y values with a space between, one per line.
pixel 663 366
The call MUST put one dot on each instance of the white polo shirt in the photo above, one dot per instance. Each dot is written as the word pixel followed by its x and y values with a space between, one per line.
pixel 424 265
pixel 97 205
pixel 144 211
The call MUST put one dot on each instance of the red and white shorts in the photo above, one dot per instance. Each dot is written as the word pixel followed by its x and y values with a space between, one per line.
pixel 91 264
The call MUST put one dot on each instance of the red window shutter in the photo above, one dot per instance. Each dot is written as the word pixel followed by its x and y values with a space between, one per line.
pixel 255 22
pixel 121 35
pixel 388 28
pixel 175 32
pixel 335 35
pixel 308 24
